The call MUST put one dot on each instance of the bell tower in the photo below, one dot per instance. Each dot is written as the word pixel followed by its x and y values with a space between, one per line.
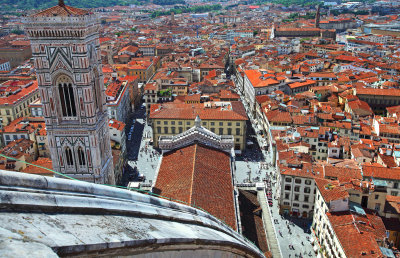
pixel 65 46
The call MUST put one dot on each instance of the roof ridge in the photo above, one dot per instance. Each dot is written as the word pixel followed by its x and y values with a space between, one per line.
pixel 193 170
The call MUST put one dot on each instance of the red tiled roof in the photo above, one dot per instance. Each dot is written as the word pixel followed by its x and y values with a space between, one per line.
pixel 61 11
pixel 301 84
pixel 234 111
pixel 227 94
pixel 331 190
pixel 279 116
pixel 379 92
pixel 381 172
pixel 322 75
pixel 116 124
pixel 388 160
pixel 258 80
pixel 43 162
pixel 341 173
pixel 20 92
pixel 366 231
pixel 200 176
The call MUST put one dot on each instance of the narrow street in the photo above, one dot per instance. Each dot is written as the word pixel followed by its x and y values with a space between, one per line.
pixel 293 234
pixel 142 158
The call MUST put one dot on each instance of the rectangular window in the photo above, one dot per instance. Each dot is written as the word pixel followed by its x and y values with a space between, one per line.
pixel 221 131
pixel 296 197
pixel 306 198
pixel 308 182
pixel 173 130
pixel 229 131
pixel 376 196
pixel 296 205
pixel 297 181
pixel 212 130
pixel 307 190
pixel 212 123
pixel 187 123
pixel 180 123
pixel 165 122
pixel 297 188
pixel 237 131
pixel 221 123
pixel 237 124
pixel 288 179
pixel 396 185
pixel 287 187
pixel 172 122
pixel 229 124
pixel 180 129
pixel 158 129
pixel 165 129
pixel 286 196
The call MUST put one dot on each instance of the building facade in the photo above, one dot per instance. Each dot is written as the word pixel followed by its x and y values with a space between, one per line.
pixel 65 46
pixel 15 100
pixel 223 118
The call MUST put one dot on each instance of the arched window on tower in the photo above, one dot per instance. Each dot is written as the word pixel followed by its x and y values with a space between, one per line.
pixel 81 157
pixel 67 96
pixel 69 158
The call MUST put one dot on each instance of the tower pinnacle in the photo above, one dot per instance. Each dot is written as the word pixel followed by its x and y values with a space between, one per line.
pixel 197 121
pixel 61 3
pixel 317 17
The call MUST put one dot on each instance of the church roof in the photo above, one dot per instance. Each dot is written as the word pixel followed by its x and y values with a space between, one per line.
pixel 201 176
pixel 61 10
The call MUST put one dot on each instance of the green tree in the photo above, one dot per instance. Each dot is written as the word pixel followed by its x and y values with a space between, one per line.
pixel 18 32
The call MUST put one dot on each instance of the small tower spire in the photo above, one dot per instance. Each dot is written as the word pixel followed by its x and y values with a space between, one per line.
pixel 317 17
pixel 61 3
pixel 197 121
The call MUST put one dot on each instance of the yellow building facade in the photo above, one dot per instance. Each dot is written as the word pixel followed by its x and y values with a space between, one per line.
pixel 172 119
pixel 17 105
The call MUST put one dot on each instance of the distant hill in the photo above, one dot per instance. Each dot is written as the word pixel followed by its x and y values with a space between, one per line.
pixel 8 5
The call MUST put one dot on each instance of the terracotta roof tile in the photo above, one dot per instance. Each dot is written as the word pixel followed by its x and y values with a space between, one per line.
pixel 200 176
pixel 61 11
pixel 234 111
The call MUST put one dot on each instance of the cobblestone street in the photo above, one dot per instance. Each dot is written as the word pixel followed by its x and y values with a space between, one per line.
pixel 141 155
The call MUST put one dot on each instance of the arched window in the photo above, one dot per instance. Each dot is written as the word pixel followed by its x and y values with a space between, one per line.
pixel 81 157
pixel 67 97
pixel 68 155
